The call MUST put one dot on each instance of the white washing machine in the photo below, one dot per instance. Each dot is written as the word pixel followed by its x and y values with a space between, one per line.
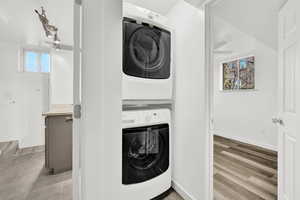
pixel 147 56
pixel 146 154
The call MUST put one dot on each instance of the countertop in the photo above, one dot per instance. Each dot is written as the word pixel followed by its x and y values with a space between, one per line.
pixel 59 110
pixel 57 113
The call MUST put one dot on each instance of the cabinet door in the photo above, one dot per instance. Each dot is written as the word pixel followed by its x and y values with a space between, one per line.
pixel 60 143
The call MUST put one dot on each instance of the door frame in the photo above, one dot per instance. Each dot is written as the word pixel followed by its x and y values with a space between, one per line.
pixel 77 63
pixel 209 68
pixel 101 90
pixel 209 75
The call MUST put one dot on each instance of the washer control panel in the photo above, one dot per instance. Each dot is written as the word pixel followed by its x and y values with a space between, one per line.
pixel 144 117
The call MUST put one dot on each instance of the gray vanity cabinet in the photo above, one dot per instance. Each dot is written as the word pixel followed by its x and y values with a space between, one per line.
pixel 58 142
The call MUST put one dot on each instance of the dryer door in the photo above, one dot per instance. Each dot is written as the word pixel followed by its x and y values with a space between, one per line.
pixel 145 153
pixel 146 51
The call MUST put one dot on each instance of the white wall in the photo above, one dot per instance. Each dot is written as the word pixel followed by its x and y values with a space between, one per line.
pixel 23 98
pixel 189 167
pixel 256 18
pixel 247 115
pixel 20 25
pixel 61 78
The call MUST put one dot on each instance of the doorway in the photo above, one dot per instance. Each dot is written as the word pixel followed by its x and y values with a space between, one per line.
pixel 243 60
pixel 36 100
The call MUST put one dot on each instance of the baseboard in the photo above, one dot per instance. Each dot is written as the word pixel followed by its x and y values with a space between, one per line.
pixel 181 191
pixel 247 141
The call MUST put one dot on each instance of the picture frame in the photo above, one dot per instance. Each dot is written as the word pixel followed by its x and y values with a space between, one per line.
pixel 238 74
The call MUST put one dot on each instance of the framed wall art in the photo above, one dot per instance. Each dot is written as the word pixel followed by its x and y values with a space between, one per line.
pixel 239 74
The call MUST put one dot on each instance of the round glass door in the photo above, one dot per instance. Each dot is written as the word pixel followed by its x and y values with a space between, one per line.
pixel 147 49
pixel 145 150
pixel 145 153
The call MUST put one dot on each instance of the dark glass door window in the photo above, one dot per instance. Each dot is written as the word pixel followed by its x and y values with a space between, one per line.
pixel 146 50
pixel 145 153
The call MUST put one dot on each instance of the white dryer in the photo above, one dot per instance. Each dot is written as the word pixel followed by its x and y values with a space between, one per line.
pixel 147 59
pixel 146 154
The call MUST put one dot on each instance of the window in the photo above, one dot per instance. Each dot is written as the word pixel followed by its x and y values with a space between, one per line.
pixel 36 61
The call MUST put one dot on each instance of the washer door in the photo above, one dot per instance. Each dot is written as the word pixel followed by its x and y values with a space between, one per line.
pixel 145 153
pixel 147 51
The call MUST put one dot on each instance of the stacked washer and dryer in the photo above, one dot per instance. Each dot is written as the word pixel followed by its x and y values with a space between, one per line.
pixel 147 76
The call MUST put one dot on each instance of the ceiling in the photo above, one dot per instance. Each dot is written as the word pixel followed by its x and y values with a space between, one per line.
pixel 196 3
pixel 19 24
pixel 160 6
pixel 224 33
pixel 256 18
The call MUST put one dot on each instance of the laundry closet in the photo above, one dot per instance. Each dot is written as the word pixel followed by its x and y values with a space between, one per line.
pixel 154 136
pixel 147 86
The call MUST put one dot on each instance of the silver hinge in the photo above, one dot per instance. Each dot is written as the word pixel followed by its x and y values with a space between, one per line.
pixel 77 111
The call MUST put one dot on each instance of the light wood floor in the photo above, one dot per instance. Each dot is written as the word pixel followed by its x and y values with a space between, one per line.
pixel 243 171
pixel 173 196
pixel 23 177
pixel 8 148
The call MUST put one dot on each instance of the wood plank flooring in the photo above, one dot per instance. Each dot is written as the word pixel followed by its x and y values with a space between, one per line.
pixel 173 196
pixel 23 177
pixel 8 148
pixel 243 171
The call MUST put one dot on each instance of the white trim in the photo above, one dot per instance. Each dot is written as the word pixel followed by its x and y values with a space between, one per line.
pixel 211 2
pixel 77 59
pixel 207 2
pixel 209 82
pixel 181 191
pixel 209 181
pixel 210 87
pixel 36 48
pixel 210 167
pixel 247 141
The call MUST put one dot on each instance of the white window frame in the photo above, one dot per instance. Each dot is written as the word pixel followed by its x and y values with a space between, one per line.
pixel 39 51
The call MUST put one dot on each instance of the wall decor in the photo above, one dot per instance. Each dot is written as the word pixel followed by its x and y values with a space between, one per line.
pixel 239 74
